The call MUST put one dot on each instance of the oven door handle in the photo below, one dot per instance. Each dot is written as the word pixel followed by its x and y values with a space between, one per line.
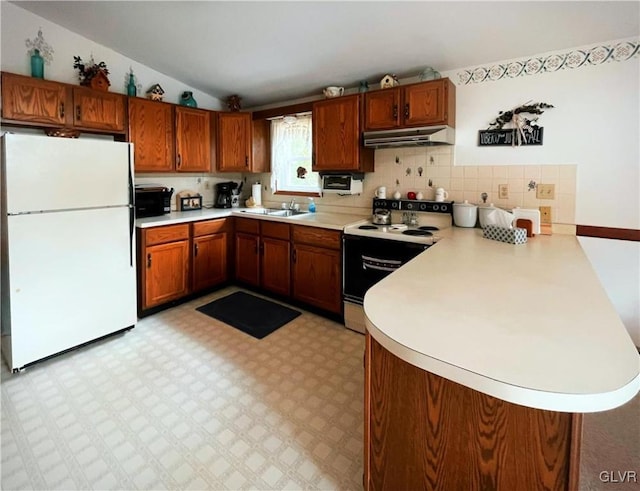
pixel 389 265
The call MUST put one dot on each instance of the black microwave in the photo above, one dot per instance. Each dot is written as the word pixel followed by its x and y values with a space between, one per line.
pixel 152 201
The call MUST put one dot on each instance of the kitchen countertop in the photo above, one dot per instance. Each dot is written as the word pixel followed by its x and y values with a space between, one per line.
pixel 529 324
pixel 335 221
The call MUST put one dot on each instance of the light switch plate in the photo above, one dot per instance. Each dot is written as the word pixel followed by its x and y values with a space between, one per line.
pixel 546 191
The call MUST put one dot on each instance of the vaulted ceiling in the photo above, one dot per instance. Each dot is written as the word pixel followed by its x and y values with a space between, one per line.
pixel 275 51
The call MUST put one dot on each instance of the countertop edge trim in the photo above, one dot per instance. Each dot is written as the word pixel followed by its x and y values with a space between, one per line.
pixel 552 401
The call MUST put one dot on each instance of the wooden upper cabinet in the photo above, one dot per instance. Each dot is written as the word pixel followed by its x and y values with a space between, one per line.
pixel 34 100
pixel 152 133
pixel 28 101
pixel 426 103
pixel 261 146
pixel 336 136
pixel 95 109
pixel 382 109
pixel 423 104
pixel 193 140
pixel 234 142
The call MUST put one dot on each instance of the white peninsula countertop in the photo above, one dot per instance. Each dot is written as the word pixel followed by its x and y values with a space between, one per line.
pixel 529 324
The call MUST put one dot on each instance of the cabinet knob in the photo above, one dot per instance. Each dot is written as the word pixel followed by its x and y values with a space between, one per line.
pixel 295 255
pixel 179 160
pixel 78 113
pixel 246 161
pixel 148 260
pixel 62 109
pixel 195 249
pixel 406 110
pixel 395 111
pixel 262 249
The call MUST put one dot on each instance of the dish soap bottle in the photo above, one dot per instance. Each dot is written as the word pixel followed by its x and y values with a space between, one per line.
pixel 312 206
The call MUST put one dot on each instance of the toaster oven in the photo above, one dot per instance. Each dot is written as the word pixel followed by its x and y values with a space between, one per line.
pixel 152 200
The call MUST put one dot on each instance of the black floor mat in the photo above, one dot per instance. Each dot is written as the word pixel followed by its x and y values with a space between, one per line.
pixel 255 316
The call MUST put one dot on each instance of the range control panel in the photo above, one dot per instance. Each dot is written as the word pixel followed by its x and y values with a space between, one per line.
pixel 413 205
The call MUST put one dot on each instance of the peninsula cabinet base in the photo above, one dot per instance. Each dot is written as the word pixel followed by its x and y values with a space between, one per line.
pixel 424 432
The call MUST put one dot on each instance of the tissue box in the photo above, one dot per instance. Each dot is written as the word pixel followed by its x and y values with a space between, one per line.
pixel 509 235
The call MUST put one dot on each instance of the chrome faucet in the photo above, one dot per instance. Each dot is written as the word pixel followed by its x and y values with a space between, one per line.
pixel 292 203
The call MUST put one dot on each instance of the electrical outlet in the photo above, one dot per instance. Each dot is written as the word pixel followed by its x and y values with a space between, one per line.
pixel 503 191
pixel 545 214
pixel 546 191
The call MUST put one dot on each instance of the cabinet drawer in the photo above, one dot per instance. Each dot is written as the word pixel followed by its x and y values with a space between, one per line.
pixel 160 235
pixel 248 226
pixel 209 227
pixel 320 237
pixel 275 230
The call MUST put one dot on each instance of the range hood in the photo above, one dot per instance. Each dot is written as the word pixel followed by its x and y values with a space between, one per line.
pixel 410 137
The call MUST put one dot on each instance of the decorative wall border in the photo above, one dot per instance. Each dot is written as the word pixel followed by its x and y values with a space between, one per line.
pixel 622 51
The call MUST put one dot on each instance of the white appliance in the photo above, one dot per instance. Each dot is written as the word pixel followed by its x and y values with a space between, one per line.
pixel 68 246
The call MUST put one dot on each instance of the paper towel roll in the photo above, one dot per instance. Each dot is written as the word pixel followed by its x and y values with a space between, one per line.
pixel 256 194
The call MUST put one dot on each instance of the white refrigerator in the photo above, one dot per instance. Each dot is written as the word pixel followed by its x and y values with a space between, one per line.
pixel 68 272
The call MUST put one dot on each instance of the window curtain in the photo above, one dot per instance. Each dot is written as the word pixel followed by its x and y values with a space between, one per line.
pixel 284 132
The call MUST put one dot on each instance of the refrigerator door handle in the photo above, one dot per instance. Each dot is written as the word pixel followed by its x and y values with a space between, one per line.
pixel 132 217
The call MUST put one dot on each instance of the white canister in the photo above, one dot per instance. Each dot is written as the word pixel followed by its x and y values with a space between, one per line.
pixel 381 192
pixel 483 212
pixel 465 214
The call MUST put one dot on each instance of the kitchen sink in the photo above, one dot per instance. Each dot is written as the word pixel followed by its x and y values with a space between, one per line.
pixel 275 212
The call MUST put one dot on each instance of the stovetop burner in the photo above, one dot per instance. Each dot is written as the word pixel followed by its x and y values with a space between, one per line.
pixel 428 228
pixel 368 227
pixel 418 232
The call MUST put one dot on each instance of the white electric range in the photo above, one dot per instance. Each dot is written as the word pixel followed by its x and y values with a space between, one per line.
pixel 372 252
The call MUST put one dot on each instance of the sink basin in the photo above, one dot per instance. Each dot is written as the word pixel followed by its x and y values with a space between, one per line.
pixel 274 212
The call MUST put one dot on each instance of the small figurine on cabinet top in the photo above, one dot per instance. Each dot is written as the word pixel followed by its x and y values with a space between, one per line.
pixel 389 81
pixel 233 103
pixel 186 99
pixel 155 92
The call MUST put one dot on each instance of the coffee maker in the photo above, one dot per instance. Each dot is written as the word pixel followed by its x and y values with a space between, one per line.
pixel 223 194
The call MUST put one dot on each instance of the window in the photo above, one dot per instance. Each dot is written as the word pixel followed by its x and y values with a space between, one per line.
pixel 291 146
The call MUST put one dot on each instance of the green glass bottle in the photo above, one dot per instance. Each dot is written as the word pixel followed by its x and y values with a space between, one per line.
pixel 37 64
pixel 131 86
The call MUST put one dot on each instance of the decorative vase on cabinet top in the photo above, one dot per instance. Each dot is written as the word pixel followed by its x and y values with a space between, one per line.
pixel 37 64
pixel 187 99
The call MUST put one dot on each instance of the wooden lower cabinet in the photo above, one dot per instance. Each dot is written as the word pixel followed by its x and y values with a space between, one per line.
pixel 165 264
pixel 276 261
pixel 317 267
pixel 176 260
pixel 424 432
pixel 247 258
pixel 209 252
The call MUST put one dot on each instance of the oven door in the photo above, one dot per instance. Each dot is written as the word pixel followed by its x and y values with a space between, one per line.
pixel 366 261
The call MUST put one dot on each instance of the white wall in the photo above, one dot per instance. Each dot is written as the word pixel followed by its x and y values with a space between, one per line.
pixel 17 25
pixel 595 124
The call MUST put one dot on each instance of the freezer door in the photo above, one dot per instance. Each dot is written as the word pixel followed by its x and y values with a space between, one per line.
pixel 48 174
pixel 71 280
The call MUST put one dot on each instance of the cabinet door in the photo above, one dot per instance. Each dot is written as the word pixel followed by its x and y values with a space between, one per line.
pixel 248 259
pixel 425 103
pixel 167 271
pixel 209 260
pixel 316 277
pixel 382 109
pixel 33 100
pixel 234 142
pixel 96 109
pixel 276 269
pixel 336 136
pixel 151 132
pixel 193 140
